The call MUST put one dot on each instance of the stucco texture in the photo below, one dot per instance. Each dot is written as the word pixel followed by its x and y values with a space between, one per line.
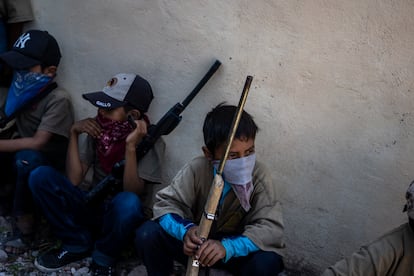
pixel 332 93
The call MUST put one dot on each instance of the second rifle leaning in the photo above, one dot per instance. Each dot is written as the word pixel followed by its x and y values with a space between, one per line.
pixel 113 182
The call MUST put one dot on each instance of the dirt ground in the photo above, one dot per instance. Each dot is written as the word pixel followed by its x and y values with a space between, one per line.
pixel 23 264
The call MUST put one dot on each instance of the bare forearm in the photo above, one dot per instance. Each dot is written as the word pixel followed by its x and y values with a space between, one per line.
pixel 74 168
pixel 36 142
pixel 16 145
pixel 132 181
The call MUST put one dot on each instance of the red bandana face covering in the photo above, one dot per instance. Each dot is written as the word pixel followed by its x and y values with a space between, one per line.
pixel 110 146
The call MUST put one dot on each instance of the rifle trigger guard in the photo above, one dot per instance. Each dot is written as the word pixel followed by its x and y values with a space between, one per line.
pixel 210 216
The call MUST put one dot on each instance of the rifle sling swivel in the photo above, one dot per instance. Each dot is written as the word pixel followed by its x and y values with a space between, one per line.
pixel 210 216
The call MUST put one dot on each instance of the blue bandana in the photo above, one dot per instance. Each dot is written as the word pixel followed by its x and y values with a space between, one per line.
pixel 25 86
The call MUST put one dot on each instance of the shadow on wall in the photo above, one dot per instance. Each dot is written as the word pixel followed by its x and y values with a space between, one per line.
pixel 299 267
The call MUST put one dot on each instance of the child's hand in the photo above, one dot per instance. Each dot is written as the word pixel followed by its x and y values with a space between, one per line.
pixel 191 241
pixel 210 252
pixel 88 125
pixel 137 134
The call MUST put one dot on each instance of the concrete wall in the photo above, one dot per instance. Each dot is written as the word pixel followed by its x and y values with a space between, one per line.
pixel 332 93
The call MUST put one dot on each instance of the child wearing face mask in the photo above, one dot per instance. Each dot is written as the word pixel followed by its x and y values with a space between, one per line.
pixel 246 236
pixel 102 228
pixel 43 115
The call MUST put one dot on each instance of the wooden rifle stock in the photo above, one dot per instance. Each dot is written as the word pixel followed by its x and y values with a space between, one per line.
pixel 218 183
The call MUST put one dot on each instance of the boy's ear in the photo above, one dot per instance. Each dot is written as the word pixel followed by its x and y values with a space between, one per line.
pixel 50 71
pixel 207 153
pixel 135 114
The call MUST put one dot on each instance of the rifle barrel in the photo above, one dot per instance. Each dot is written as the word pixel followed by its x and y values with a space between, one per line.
pixel 235 123
pixel 202 82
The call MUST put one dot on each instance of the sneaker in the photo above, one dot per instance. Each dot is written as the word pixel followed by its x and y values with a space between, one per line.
pixel 99 270
pixel 55 259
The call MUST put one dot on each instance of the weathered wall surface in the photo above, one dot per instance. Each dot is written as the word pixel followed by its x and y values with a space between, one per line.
pixel 333 94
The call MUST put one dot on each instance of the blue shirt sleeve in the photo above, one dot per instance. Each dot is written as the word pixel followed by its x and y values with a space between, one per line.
pixel 175 225
pixel 238 246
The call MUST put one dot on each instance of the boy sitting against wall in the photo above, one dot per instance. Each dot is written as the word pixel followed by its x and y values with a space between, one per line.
pixel 246 236
pixel 39 133
pixel 103 228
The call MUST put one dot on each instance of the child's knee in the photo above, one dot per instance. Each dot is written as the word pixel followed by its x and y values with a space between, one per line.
pixel 125 201
pixel 28 160
pixel 147 232
pixel 37 176
pixel 268 261
pixel 127 207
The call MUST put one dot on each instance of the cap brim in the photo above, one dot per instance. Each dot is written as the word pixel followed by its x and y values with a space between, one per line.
pixel 17 60
pixel 102 100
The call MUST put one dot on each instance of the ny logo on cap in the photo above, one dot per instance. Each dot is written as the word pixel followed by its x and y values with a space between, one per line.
pixel 21 41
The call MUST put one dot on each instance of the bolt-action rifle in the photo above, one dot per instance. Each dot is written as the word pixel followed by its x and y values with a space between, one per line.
pixel 113 182
pixel 216 189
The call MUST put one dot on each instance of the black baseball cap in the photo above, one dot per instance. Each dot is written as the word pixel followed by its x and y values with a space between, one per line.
pixel 123 89
pixel 34 47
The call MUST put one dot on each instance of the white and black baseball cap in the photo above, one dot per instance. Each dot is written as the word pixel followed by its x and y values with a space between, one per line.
pixel 34 47
pixel 123 89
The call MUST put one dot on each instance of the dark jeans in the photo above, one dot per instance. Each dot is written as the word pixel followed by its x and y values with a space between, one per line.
pixel 3 37
pixel 63 205
pixel 25 161
pixel 158 250
pixel 7 172
pixel 15 170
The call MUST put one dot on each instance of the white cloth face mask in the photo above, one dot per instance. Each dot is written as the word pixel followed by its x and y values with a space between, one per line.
pixel 239 173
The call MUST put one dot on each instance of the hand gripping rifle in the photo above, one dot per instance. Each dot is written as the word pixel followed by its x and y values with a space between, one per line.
pixel 218 183
pixel 164 126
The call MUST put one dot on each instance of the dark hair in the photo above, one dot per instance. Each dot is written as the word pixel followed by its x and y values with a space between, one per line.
pixel 217 125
